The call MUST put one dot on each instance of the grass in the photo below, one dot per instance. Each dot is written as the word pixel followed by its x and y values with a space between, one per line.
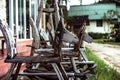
pixel 105 41
pixel 102 71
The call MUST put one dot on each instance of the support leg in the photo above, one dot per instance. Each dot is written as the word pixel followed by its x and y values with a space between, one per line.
pixel 17 71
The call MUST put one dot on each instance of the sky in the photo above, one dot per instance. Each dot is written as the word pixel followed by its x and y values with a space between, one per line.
pixel 77 2
pixel 84 2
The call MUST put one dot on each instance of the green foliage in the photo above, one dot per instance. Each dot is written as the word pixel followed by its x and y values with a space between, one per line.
pixel 117 39
pixel 102 71
pixel 98 35
pixel 117 35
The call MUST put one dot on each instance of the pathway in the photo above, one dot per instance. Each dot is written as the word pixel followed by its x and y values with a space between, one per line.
pixel 109 53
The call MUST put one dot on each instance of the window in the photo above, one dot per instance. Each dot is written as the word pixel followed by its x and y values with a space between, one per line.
pixel 19 13
pixel 99 23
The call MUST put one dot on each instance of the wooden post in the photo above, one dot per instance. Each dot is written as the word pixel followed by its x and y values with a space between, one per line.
pixel 40 11
pixel 80 36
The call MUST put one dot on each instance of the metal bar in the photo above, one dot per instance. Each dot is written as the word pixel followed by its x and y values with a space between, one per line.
pixel 11 13
pixel 24 19
pixel 16 18
pixel 30 29
pixel 20 19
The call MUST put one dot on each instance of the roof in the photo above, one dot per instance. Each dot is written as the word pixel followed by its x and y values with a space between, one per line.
pixel 94 11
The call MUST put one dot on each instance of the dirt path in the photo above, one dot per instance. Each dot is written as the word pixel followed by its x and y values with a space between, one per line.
pixel 109 53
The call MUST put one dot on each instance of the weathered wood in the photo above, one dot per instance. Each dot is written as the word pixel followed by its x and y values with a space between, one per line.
pixel 48 10
pixel 52 31
pixel 78 45
pixel 33 59
pixel 58 39
pixel 42 73
pixel 52 56
pixel 81 63
pixel 9 39
pixel 62 69
pixel 59 72
pixel 10 46
pixel 64 53
pixel 51 49
pixel 36 37
pixel 82 51
pixel 17 71
pixel 32 72
pixel 40 10
pixel 57 14
pixel 74 66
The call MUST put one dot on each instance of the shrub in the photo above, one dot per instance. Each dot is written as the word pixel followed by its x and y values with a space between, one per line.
pixel 117 36
pixel 98 35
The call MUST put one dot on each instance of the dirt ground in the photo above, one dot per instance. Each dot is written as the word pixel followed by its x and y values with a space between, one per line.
pixel 109 53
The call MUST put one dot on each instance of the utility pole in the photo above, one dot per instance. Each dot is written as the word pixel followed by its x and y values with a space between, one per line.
pixel 95 1
pixel 80 2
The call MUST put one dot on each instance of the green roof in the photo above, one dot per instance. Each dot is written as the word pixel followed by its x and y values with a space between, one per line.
pixel 94 11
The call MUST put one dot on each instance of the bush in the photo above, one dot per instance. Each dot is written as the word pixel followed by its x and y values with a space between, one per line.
pixel 117 38
pixel 98 35
pixel 117 35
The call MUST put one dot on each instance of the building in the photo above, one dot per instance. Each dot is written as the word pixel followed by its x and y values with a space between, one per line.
pixel 100 16
pixel 16 13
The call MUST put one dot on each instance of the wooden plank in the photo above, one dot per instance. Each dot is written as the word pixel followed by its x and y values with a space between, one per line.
pixel 43 73
pixel 80 36
pixel 33 59
pixel 17 71
pixel 48 10
pixel 39 18
pixel 61 68
pixel 48 49
pixel 65 52
pixel 81 63
pixel 36 40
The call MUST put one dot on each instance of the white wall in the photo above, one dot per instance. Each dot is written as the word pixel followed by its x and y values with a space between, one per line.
pixel 2 11
pixel 2 14
pixel 93 28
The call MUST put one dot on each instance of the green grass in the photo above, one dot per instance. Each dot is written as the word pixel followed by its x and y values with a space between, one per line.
pixel 102 71
pixel 105 41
